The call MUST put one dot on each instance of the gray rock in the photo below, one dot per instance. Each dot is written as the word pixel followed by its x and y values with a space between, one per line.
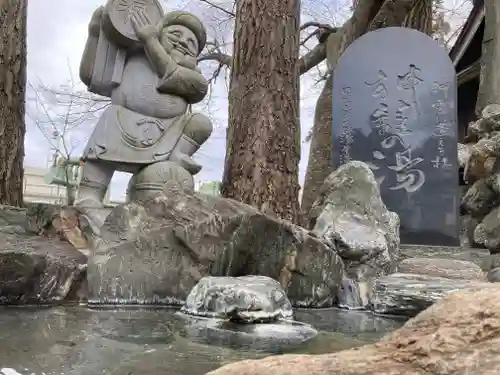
pixel 475 255
pixel 490 117
pixel 38 270
pixel 156 253
pixel 353 218
pixel 493 261
pixel 494 275
pixel 468 226
pixel 479 199
pixel 449 268
pixel 409 294
pixel 482 159
pixel 12 219
pixel 487 233
pixel 463 154
pixel 244 299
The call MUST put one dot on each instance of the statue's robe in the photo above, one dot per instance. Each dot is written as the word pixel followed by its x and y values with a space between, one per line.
pixel 147 116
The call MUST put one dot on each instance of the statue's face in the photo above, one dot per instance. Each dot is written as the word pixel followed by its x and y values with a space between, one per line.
pixel 181 44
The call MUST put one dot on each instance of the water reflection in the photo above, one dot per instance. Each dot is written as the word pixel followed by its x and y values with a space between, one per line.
pixel 76 340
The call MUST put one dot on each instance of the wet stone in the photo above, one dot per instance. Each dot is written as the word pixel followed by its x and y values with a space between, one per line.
pixel 408 294
pixel 395 109
pixel 38 270
pixel 245 299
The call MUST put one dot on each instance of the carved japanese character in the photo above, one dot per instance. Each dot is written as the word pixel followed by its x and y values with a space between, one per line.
pixel 391 141
pixel 440 162
pixel 345 154
pixel 379 88
pixel 404 161
pixel 410 79
pixel 410 180
pixel 441 87
pixel 347 137
pixel 442 128
pixel 401 119
pixel 131 5
pixel 380 118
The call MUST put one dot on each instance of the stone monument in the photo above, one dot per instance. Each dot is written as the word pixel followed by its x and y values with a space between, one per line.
pixel 394 108
pixel 146 62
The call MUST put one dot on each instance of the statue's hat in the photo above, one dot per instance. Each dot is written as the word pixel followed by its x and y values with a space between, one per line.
pixel 186 19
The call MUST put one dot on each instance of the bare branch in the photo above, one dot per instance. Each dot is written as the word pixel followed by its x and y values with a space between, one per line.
pixel 228 12
pixel 312 58
pixel 215 53
pixel 317 25
pixel 220 57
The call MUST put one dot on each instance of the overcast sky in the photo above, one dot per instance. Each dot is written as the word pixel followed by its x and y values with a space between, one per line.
pixel 57 31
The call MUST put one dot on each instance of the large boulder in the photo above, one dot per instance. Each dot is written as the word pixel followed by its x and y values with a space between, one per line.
pixel 36 267
pixel 155 253
pixel 408 294
pixel 458 335
pixel 38 270
pixel 245 299
pixel 352 217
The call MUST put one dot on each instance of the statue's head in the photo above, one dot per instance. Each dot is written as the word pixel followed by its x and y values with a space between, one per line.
pixel 183 36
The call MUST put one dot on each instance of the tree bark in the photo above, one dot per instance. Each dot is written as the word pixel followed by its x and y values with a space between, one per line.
pixel 420 17
pixel 13 15
pixel 262 158
pixel 489 87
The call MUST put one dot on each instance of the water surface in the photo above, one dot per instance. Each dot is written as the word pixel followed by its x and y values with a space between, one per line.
pixel 79 341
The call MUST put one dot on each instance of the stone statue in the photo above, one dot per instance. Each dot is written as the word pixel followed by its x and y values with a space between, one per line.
pixel 146 62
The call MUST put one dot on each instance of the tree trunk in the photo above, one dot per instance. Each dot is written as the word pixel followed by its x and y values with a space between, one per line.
pixel 261 167
pixel 420 17
pixel 319 164
pixel 13 14
pixel 489 87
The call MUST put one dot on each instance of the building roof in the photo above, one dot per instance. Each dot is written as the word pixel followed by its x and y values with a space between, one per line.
pixel 469 29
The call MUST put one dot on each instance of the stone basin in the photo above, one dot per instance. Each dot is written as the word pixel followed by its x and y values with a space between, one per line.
pixel 79 341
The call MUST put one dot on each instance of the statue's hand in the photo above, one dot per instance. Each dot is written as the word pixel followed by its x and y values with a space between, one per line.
pixel 95 22
pixel 143 27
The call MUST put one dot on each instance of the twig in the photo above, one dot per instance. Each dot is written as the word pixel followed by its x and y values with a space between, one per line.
pixel 228 12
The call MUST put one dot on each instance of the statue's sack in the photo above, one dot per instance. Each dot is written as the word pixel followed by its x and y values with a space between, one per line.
pixel 116 37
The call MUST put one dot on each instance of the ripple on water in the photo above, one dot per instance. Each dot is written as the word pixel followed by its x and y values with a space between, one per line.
pixel 79 341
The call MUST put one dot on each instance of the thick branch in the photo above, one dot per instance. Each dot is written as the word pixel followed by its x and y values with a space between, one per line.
pixel 312 58
pixel 317 25
pixel 392 13
pixel 352 29
pixel 220 57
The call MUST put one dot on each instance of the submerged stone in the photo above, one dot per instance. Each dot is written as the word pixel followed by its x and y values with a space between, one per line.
pixel 273 337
